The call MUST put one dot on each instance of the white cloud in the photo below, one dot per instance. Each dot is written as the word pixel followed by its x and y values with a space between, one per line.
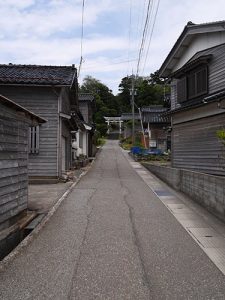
pixel 15 4
pixel 48 32
pixel 57 51
pixel 50 18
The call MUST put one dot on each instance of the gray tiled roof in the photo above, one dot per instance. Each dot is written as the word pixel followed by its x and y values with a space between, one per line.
pixel 154 109
pixel 86 97
pixel 154 114
pixel 129 116
pixel 37 74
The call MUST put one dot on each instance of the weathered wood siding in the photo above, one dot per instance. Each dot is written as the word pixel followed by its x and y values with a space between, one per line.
pixel 13 165
pixel 65 101
pixel 44 102
pixel 217 70
pixel 195 145
pixel 173 95
pixel 65 129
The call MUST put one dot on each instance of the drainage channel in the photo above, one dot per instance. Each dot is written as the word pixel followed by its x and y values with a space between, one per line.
pixel 18 232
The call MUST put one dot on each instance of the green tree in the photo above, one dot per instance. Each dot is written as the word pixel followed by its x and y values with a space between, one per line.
pixel 106 102
pixel 148 91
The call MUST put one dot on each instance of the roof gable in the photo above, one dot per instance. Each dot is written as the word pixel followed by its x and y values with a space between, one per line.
pixel 19 108
pixel 37 75
pixel 190 31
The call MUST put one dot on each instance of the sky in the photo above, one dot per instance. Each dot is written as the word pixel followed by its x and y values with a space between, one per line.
pixel 48 32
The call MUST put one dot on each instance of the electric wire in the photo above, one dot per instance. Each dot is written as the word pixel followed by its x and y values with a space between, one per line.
pixel 143 37
pixel 93 66
pixel 139 26
pixel 129 37
pixel 82 37
pixel 151 34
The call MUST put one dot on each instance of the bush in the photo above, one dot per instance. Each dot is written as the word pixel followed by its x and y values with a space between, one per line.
pixel 221 135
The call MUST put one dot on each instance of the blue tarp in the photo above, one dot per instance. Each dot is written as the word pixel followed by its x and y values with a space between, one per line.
pixel 139 151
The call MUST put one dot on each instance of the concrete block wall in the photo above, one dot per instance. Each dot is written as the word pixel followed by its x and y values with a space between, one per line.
pixel 207 190
pixel 169 175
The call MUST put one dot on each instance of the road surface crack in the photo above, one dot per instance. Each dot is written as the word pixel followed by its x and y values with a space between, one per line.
pixel 77 264
pixel 136 239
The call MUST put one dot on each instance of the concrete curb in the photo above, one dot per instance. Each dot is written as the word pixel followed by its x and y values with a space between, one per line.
pixel 24 243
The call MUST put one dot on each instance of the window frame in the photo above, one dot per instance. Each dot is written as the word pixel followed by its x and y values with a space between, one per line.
pixel 34 139
pixel 183 93
pixel 195 72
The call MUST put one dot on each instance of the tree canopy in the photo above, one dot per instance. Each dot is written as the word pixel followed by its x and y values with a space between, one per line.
pixel 106 102
pixel 149 91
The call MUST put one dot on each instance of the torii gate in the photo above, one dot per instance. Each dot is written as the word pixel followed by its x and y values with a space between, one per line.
pixel 110 120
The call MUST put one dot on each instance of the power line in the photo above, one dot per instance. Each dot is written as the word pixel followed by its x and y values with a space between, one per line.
pixel 143 36
pixel 81 42
pixel 129 37
pixel 140 25
pixel 91 66
pixel 153 26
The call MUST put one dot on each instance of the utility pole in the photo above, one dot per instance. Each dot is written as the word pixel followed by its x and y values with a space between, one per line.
pixel 132 91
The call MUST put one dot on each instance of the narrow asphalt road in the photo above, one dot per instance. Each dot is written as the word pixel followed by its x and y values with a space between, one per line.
pixel 112 238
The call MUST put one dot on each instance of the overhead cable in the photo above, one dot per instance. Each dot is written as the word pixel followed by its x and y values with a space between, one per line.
pixel 150 39
pixel 143 36
pixel 82 36
pixel 129 37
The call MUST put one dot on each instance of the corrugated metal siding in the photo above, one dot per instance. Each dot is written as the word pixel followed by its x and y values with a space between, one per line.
pixel 44 102
pixel 13 165
pixel 196 147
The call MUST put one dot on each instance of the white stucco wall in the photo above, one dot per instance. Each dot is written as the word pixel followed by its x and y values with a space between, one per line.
pixel 81 143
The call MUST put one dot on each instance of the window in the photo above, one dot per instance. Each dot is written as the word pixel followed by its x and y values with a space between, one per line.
pixel 193 84
pixel 197 83
pixel 34 140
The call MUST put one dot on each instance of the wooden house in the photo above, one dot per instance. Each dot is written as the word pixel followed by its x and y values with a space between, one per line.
pixel 50 92
pixel 156 126
pixel 195 68
pixel 83 143
pixel 14 146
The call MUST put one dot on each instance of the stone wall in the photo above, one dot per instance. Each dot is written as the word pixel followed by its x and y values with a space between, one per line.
pixel 207 190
